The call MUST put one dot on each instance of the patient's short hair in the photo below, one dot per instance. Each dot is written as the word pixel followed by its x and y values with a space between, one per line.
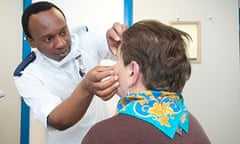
pixel 160 50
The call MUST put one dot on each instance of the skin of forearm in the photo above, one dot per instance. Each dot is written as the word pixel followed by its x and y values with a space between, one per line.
pixel 71 110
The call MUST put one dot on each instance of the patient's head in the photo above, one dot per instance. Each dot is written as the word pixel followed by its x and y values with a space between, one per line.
pixel 152 56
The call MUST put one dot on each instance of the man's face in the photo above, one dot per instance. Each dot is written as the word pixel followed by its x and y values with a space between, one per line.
pixel 50 34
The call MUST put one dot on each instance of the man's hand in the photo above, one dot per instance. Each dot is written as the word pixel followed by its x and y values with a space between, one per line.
pixel 101 81
pixel 114 36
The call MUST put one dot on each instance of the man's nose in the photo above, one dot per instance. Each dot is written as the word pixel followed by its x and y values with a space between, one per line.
pixel 60 42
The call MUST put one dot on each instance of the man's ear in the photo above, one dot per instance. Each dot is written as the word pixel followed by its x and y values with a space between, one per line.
pixel 134 74
pixel 31 42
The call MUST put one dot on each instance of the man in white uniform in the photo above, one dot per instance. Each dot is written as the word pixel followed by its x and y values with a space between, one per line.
pixel 60 77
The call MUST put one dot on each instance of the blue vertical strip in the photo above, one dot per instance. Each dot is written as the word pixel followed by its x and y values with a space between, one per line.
pixel 128 12
pixel 26 46
pixel 25 111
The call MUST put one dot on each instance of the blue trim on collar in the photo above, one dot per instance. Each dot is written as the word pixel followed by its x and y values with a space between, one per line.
pixel 29 59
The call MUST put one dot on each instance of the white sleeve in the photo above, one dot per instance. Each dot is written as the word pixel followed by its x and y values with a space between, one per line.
pixel 36 95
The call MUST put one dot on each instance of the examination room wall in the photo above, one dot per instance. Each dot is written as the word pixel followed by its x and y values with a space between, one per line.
pixel 212 94
pixel 10 56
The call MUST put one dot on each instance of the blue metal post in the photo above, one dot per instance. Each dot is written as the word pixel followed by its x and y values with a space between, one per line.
pixel 128 12
pixel 25 112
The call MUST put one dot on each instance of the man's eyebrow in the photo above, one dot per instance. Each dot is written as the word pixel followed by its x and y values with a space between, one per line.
pixel 46 36
pixel 51 35
pixel 64 28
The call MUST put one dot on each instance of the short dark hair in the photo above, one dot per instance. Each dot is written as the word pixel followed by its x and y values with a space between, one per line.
pixel 160 51
pixel 34 9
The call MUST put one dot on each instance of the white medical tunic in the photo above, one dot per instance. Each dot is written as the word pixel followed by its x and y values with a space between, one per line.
pixel 45 83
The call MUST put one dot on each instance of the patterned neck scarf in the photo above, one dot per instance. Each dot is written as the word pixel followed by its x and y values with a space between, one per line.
pixel 164 110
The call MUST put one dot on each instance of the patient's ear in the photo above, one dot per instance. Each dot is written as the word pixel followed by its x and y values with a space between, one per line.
pixel 134 74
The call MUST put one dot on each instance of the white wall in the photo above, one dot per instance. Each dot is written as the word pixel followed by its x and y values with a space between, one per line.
pixel 96 14
pixel 213 92
pixel 10 55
